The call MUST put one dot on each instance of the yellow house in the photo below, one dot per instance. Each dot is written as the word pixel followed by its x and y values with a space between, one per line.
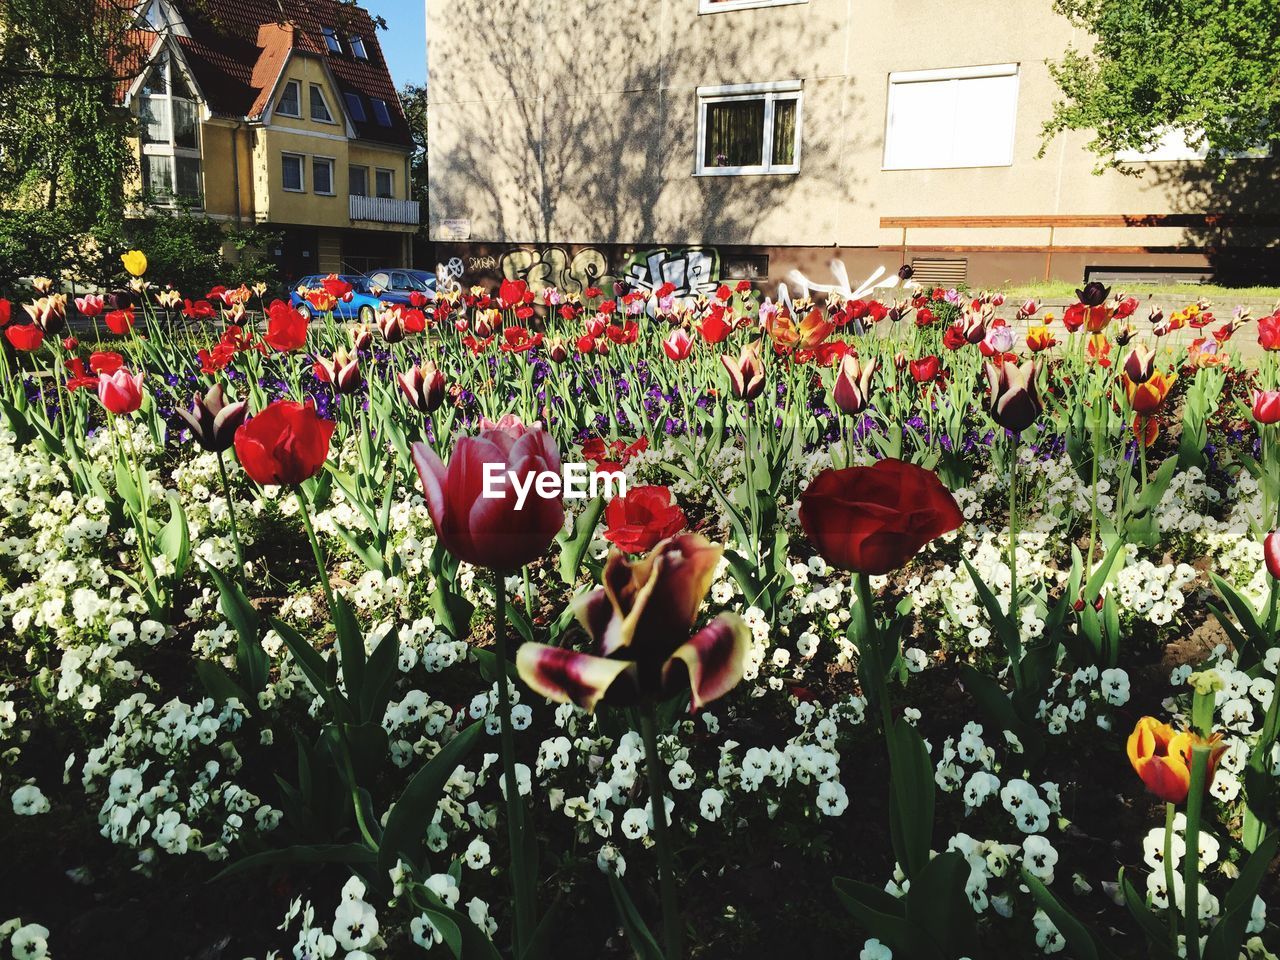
pixel 280 114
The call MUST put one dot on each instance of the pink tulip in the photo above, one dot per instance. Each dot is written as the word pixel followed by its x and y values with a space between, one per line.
pixel 479 515
pixel 120 392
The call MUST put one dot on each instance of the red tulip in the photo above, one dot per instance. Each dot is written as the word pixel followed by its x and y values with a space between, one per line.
pixel 645 516
pixel 286 327
pixel 475 503
pixel 120 392
pixel 1266 406
pixel 641 620
pixel 1271 550
pixel 1162 757
pixel 26 337
pixel 105 361
pixel 287 443
pixel 120 322
pixel 714 329
pixel 874 519
pixel 925 370
pixel 5 312
pixel 1269 332
pixel 678 344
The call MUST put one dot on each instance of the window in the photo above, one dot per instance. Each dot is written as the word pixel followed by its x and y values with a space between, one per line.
pixel 385 182
pixel 719 6
pixel 749 128
pixel 355 106
pixel 291 176
pixel 962 117
pixel 356 43
pixel 331 40
pixel 358 181
pixel 381 112
pixel 319 106
pixel 322 175
pixel 290 104
pixel 170 122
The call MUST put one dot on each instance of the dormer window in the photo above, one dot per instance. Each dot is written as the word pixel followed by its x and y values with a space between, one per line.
pixel 169 116
pixel 355 106
pixel 356 43
pixel 319 106
pixel 331 40
pixel 290 103
pixel 381 112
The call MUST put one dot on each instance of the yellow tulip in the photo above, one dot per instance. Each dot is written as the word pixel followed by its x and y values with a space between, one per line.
pixel 135 261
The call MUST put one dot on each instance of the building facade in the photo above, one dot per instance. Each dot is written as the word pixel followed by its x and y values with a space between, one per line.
pixel 281 115
pixel 700 140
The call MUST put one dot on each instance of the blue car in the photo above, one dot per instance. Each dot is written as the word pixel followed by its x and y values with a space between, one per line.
pixel 362 306
pixel 398 284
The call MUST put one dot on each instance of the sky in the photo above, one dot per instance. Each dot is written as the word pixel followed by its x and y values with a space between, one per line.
pixel 405 39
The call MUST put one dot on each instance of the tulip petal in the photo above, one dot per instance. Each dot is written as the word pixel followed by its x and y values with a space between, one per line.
pixel 566 675
pixel 713 660
pixel 432 474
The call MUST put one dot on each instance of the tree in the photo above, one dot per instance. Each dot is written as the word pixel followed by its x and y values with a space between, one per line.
pixel 414 100
pixel 63 143
pixel 1208 68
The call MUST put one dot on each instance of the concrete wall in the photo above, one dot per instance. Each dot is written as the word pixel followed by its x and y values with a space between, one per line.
pixel 561 123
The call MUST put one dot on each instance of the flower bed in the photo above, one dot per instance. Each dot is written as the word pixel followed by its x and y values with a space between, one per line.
pixel 933 638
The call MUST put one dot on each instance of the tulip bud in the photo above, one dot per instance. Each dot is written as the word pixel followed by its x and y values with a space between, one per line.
pixel 391 324
pixel 361 337
pixel 424 386
pixel 906 272
pixel 1140 364
pixel 746 373
pixel 557 350
pixel 214 421
pixel 41 285
pixel 1029 307
pixel 852 391
pixel 900 361
pixel 1015 399
pixel 342 371
pixel 1124 335
pixel 1271 550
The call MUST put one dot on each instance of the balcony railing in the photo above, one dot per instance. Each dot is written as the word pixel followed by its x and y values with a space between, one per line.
pixel 384 210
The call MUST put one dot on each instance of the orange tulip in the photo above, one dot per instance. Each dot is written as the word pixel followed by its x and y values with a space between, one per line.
pixel 1040 339
pixel 1147 398
pixel 1162 758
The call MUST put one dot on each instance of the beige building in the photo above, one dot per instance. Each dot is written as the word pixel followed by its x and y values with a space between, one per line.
pixel 275 113
pixel 699 140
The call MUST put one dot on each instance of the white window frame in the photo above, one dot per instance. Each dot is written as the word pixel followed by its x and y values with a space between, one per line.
pixel 770 92
pixel 302 172
pixel 331 163
pixel 355 43
pixel 280 111
pixel 723 6
pixel 955 75
pixel 170 148
pixel 331 41
pixel 312 90
pixel 391 173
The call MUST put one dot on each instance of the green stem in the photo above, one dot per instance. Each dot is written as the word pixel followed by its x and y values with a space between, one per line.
pixel 524 902
pixel 1093 485
pixel 1169 813
pixel 671 923
pixel 231 514
pixel 1015 620
pixel 316 550
pixel 1191 861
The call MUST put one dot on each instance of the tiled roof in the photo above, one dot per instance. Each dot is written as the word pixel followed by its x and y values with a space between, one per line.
pixel 236 49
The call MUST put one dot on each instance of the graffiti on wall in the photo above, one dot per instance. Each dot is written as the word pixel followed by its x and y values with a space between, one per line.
pixel 805 287
pixel 693 271
pixel 555 267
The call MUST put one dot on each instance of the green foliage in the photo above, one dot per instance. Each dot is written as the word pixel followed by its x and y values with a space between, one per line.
pixel 43 243
pixel 190 251
pixel 1205 68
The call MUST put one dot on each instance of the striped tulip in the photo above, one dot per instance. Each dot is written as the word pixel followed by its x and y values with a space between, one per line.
pixel 1015 400
pixel 641 621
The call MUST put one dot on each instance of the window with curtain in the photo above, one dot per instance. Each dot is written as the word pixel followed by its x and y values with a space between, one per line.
pixel 749 129
pixel 170 119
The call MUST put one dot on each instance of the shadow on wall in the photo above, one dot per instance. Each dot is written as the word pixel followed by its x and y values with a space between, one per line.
pixel 592 139
pixel 1243 245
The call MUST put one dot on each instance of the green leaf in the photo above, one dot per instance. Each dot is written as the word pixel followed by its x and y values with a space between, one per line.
pixel 1155 931
pixel 940 919
pixel 633 925
pixel 911 789
pixel 573 547
pixel 175 538
pixel 350 644
pixel 1226 938
pixel 880 914
pixel 1079 939
pixel 380 676
pixel 405 832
